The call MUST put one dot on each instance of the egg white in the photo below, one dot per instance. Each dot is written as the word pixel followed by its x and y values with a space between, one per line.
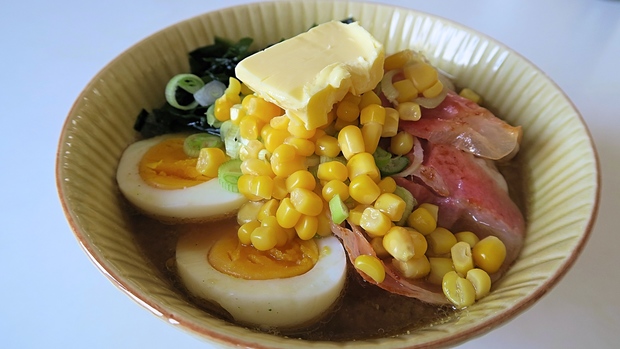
pixel 202 202
pixel 274 303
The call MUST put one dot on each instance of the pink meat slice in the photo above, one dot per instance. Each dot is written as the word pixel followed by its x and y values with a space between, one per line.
pixel 356 244
pixel 475 200
pixel 467 126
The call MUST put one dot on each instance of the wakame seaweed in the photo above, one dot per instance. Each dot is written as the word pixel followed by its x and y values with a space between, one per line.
pixel 212 62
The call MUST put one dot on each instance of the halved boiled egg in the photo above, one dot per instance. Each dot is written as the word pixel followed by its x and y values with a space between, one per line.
pixel 286 287
pixel 157 177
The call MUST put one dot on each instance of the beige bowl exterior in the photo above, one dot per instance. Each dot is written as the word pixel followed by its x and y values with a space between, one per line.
pixel 561 162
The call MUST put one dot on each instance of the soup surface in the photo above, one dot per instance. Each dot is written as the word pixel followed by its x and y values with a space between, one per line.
pixel 364 310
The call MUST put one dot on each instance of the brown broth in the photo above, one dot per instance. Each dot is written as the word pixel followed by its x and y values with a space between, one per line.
pixel 364 311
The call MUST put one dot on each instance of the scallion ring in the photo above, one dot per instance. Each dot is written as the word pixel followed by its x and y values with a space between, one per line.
pixel 193 143
pixel 180 91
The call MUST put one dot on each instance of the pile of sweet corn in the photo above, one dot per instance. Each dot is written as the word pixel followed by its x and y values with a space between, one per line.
pixel 295 177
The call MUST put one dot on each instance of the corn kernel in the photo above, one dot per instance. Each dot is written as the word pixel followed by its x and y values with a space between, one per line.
pixel 332 170
pixel 434 90
pixel 245 231
pixel 458 290
pixel 461 258
pixel 439 267
pixel 371 132
pixel 333 188
pixel 489 254
pixel 209 161
pixel 300 179
pixel 222 108
pixel 284 153
pixel 370 266
pixel 373 113
pixel 324 227
pixel 375 222
pixel 280 123
pixel 279 188
pixel 422 74
pixel 432 209
pixel 339 123
pixel 422 220
pixel 234 87
pixel 299 130
pixel 349 97
pixel 251 149
pixel 440 241
pixel 392 205
pixel 286 214
pixel 262 186
pixel 303 146
pixel 351 141
pixel 269 208
pixel 246 184
pixel 264 238
pixel 256 167
pixel 347 111
pixel 249 212
pixel 402 143
pixel 377 245
pixel 237 113
pixel 364 190
pixel 355 214
pixel 250 127
pixel 390 127
pixel 306 227
pixel 369 98
pixel 286 168
pixel 481 281
pixel 406 90
pixel 397 60
pixel 468 237
pixel 419 241
pixel 262 109
pixel 306 202
pixel 271 222
pixel 327 146
pixel 409 111
pixel 273 137
pixel 471 95
pixel 399 244
pixel 414 268
pixel 387 185
pixel 363 164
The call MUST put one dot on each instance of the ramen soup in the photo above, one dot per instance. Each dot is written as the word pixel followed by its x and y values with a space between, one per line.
pixel 341 193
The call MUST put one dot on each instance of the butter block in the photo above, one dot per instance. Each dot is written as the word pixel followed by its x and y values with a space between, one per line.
pixel 307 74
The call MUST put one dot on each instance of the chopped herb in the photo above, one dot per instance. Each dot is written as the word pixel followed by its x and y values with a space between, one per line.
pixel 213 62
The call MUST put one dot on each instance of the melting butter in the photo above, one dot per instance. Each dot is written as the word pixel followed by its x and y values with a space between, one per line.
pixel 307 74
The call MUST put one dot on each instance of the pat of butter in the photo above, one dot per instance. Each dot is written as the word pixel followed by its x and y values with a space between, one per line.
pixel 307 74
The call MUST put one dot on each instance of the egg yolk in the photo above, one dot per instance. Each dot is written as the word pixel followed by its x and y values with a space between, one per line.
pixel 229 256
pixel 166 166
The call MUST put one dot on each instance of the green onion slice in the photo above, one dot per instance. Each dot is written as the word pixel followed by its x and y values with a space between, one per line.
pixel 382 157
pixel 189 83
pixel 395 165
pixel 410 203
pixel 193 143
pixel 228 175
pixel 338 209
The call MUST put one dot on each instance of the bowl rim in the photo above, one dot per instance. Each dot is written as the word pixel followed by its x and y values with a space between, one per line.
pixel 143 299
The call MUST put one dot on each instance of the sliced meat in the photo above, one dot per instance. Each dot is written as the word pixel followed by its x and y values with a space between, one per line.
pixel 476 198
pixel 467 126
pixel 356 243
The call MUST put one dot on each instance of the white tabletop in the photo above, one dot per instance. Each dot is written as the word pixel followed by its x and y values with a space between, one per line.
pixel 53 296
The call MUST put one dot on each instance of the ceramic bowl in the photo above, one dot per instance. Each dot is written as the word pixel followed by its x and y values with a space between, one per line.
pixel 560 161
